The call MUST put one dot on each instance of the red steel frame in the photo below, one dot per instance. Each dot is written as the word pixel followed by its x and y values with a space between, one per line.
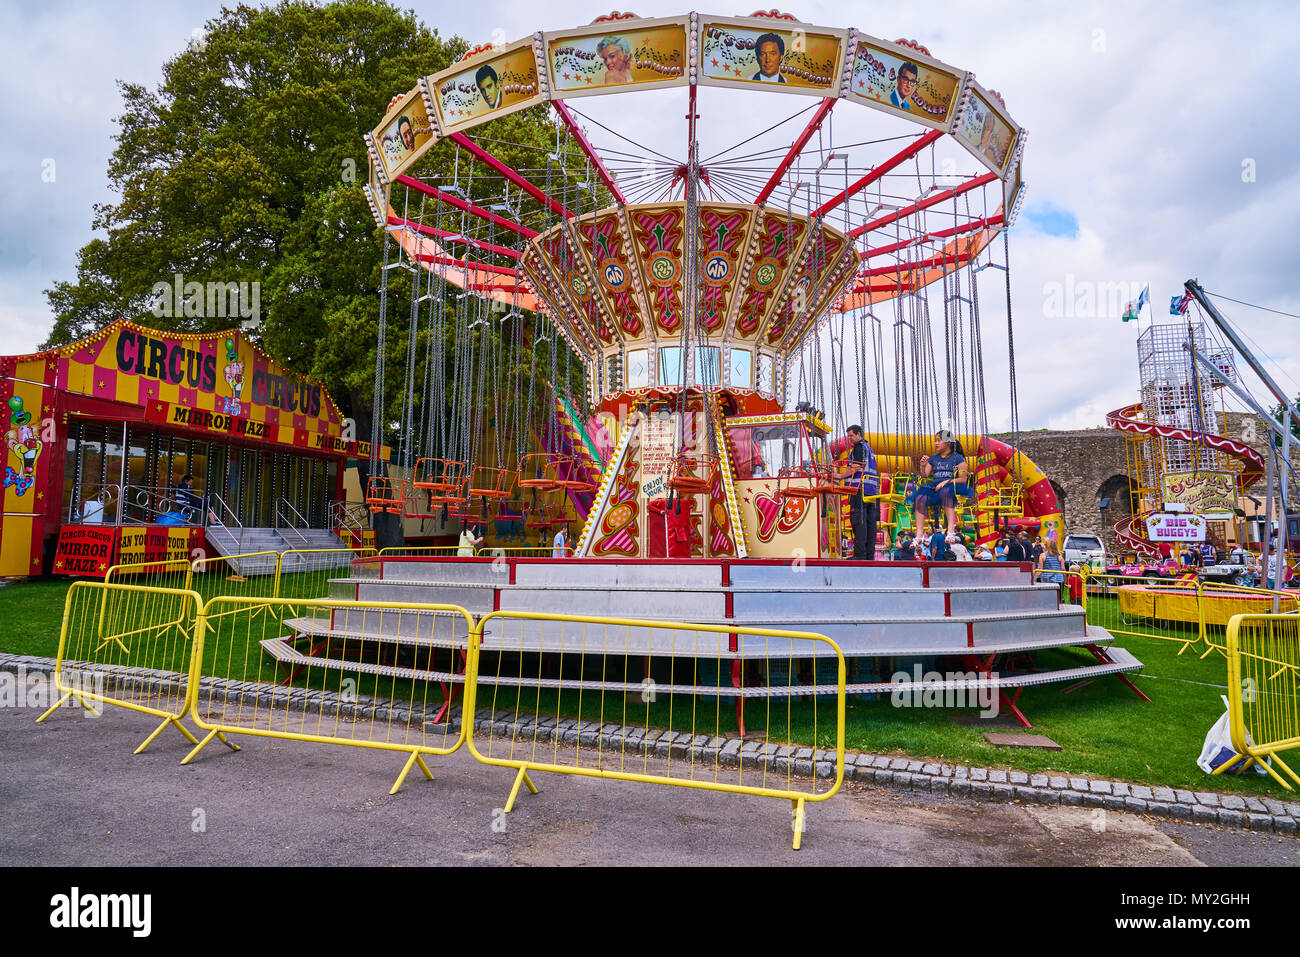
pixel 906 153
pixel 468 207
pixel 453 237
pixel 814 124
pixel 468 264
pixel 460 139
pixel 916 207
pixel 601 170
pixel 983 223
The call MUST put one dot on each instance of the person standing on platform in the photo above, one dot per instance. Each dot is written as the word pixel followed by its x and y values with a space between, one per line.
pixel 560 544
pixel 860 474
pixel 189 500
pixel 1017 548
pixel 468 542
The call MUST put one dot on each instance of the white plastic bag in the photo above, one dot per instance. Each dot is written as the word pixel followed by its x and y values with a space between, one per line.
pixel 1218 749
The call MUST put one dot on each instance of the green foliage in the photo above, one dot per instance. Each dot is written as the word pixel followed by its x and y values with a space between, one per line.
pixel 1279 413
pixel 246 164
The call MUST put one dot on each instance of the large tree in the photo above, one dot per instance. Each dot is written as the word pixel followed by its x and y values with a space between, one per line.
pixel 246 163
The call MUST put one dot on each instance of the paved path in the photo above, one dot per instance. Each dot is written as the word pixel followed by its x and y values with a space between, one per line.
pixel 72 793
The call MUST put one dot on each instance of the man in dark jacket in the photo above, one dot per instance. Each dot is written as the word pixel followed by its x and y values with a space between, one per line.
pixel 860 474
pixel 1018 550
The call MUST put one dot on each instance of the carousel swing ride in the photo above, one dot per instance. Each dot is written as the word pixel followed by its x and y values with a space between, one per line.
pixel 704 297
pixel 729 302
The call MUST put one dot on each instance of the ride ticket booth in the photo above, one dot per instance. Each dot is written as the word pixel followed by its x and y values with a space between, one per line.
pixel 100 434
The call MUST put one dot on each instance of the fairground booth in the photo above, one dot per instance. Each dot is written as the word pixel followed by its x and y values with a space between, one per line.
pixel 137 445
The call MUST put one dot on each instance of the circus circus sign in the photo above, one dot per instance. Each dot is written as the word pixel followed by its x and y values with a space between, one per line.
pixel 1170 527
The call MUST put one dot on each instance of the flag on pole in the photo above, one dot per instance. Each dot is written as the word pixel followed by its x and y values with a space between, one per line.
pixel 1144 297
pixel 1130 312
pixel 1178 304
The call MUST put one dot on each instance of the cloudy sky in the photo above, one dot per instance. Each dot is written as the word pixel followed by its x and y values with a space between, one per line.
pixel 1163 146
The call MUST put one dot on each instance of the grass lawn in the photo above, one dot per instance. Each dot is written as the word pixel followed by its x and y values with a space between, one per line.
pixel 1103 728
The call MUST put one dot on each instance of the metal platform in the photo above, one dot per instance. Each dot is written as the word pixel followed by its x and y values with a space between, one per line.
pixel 978 613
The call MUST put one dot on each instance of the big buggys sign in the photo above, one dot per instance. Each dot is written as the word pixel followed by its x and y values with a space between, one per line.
pixel 1176 527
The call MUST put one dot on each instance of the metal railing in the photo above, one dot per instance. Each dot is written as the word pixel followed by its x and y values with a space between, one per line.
pixel 349 515
pixel 108 501
pixel 634 700
pixel 225 512
pixel 281 507
pixel 160 505
pixel 1188 611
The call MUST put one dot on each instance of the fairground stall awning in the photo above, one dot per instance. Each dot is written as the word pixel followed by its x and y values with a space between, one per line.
pixel 136 408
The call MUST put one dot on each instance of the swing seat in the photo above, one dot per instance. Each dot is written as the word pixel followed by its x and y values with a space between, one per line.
pixel 384 494
pixel 486 482
pixel 569 475
pixel 1008 499
pixel 839 484
pixel 440 475
pixel 692 474
pixel 818 477
pixel 541 518
pixel 536 472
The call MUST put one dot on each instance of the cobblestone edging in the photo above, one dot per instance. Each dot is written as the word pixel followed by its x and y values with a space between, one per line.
pixel 986 784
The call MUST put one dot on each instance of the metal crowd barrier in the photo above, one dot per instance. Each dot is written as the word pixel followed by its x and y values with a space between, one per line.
pixel 367 675
pixel 1222 602
pixel 174 573
pixel 420 551
pixel 1190 612
pixel 648 701
pixel 1264 691
pixel 1164 608
pixel 294 573
pixel 306 572
pixel 130 646
pixel 628 699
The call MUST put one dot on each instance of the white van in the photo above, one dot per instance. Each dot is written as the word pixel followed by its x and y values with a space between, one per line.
pixel 1084 549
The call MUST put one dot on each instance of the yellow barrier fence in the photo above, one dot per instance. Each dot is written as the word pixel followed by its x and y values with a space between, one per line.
pixel 1221 603
pixel 1147 607
pixel 1264 691
pixel 519 551
pixel 130 646
pixel 160 574
pixel 1190 612
pixel 306 572
pixel 657 699
pixel 246 575
pixel 420 551
pixel 370 675
pixel 649 701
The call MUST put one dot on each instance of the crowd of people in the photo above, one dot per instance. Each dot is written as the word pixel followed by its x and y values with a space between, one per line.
pixel 941 546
